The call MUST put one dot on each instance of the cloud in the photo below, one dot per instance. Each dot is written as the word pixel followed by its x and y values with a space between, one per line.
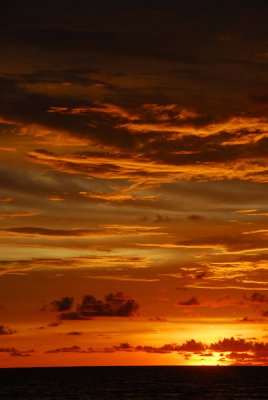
pixel 250 320
pixel 53 324
pixel 102 230
pixel 64 304
pixel 232 344
pixel 13 352
pixel 195 217
pixel 72 316
pixel 36 231
pixel 72 349
pixel 4 330
pixel 169 112
pixel 58 76
pixel 160 167
pixel 22 353
pixel 7 349
pixel 193 301
pixel 18 214
pixel 6 199
pixel 122 197
pixel 114 305
pixel 112 110
pixel 257 297
pixel 247 352
pixel 89 264
pixel 192 346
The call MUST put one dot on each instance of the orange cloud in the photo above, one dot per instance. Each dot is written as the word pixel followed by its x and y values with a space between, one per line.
pixel 103 230
pixel 6 199
pixel 86 263
pixel 117 197
pixel 112 110
pixel 152 173
pixel 18 214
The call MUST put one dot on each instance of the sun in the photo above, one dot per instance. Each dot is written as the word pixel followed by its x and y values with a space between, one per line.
pixel 206 359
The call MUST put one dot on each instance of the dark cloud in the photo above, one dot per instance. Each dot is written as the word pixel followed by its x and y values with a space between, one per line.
pixel 232 344
pixel 237 350
pixel 64 304
pixel 195 217
pixel 5 330
pixel 79 76
pixel 13 352
pixel 49 232
pixel 201 275
pixel 192 346
pixel 74 333
pixel 250 320
pixel 257 297
pixel 7 349
pixel 151 349
pixel 72 315
pixel 193 301
pixel 124 44
pixel 53 324
pixel 124 347
pixel 72 349
pixel 114 305
pixel 22 353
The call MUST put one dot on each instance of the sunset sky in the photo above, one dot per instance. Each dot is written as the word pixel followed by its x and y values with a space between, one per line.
pixel 133 183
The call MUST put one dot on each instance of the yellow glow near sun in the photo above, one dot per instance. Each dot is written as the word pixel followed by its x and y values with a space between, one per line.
pixel 206 359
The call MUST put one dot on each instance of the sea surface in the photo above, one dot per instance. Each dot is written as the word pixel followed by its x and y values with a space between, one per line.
pixel 208 383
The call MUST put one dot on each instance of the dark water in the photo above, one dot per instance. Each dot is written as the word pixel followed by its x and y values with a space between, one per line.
pixel 208 383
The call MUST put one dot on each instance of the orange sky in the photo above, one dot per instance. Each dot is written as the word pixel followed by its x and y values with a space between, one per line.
pixel 133 184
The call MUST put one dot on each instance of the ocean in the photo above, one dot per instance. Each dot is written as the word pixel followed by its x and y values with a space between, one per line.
pixel 81 383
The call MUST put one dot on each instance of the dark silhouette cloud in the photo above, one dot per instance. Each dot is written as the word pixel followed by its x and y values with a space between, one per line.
pixel 235 350
pixel 232 344
pixel 13 352
pixel 5 330
pixel 72 349
pixel 53 324
pixel 257 297
pixel 72 315
pixel 114 305
pixel 7 349
pixel 63 304
pixel 193 301
pixel 192 346
pixel 50 232
pixel 195 217
pixel 22 353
